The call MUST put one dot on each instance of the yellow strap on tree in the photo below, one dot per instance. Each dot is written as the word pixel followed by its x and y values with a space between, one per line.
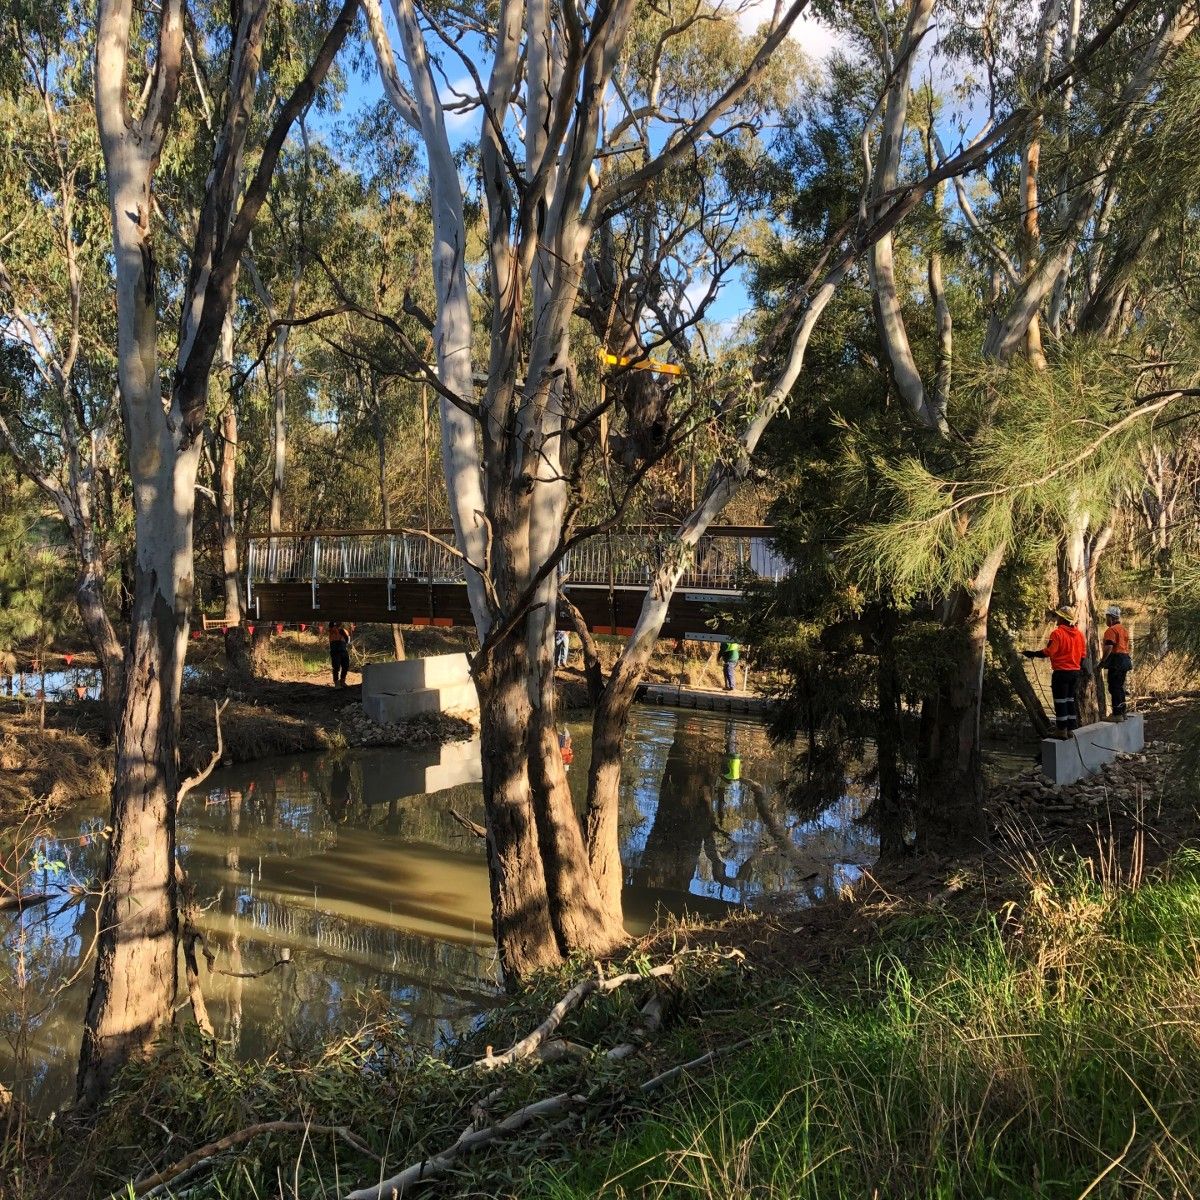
pixel 641 364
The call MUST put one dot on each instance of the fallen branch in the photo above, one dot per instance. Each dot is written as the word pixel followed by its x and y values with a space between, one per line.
pixel 469 825
pixel 674 1073
pixel 201 1156
pixel 470 1139
pixel 652 1015
pixel 192 972
pixel 196 780
pixel 279 962
pixel 580 992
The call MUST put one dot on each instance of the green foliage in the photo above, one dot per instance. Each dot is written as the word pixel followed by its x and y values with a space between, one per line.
pixel 35 582
pixel 1054 1058
pixel 1047 445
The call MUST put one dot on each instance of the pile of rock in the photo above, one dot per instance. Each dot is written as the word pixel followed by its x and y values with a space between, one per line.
pixel 424 730
pixel 1120 784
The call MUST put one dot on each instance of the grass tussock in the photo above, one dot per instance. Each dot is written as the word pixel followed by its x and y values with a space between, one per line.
pixel 1052 1052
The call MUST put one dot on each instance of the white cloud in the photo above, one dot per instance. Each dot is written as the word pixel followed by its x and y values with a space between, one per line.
pixel 460 124
pixel 816 39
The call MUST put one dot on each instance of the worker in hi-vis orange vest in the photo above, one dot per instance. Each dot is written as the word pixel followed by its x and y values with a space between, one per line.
pixel 1066 651
pixel 339 652
pixel 1116 660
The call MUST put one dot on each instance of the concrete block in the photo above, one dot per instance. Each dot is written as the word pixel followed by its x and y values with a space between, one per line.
pixel 1090 747
pixel 438 670
pixel 384 708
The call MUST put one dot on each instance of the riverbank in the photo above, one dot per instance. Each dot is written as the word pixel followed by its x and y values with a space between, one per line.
pixel 44 768
pixel 289 709
pixel 1016 1023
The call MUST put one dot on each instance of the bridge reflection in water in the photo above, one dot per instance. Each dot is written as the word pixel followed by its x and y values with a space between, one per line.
pixel 349 869
pixel 407 579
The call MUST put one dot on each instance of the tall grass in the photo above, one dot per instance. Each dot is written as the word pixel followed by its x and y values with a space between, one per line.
pixel 1053 1052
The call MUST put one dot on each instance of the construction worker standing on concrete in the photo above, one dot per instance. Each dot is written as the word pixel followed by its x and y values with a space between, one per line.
pixel 729 655
pixel 1116 660
pixel 1066 651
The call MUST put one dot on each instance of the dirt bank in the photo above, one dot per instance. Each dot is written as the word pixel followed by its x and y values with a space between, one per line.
pixel 41 769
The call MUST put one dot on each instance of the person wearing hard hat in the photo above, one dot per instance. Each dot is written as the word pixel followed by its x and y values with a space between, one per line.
pixel 1116 660
pixel 1066 650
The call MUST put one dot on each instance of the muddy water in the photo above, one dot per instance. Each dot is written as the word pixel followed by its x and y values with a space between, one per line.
pixel 323 878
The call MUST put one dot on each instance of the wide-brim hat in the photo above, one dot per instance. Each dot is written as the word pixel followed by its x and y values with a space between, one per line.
pixel 1065 612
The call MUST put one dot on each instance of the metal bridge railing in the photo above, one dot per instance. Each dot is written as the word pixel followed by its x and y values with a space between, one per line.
pixel 723 560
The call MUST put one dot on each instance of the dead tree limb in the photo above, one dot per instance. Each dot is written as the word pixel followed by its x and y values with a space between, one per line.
pixel 469 825
pixel 674 1073
pixel 196 780
pixel 580 992
pixel 201 1156
pixel 192 972
pixel 593 671
pixel 24 900
pixel 470 1139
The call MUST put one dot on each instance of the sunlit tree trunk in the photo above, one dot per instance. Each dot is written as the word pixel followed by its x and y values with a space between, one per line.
pixel 520 904
pixel 133 989
pixel 385 506
pixel 236 644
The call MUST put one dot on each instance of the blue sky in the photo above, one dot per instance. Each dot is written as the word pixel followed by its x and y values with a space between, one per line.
pixel 364 90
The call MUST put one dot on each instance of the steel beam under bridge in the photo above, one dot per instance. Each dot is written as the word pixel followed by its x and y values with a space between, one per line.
pixel 408 579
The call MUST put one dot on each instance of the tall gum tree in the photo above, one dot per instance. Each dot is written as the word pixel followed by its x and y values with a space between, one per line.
pixel 502 450
pixel 133 988
pixel 510 479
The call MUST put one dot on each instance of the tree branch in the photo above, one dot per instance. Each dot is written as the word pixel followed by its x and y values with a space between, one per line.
pixel 196 780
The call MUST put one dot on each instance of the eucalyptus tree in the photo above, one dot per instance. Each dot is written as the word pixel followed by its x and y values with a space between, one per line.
pixel 58 413
pixel 133 989
pixel 563 105
pixel 561 99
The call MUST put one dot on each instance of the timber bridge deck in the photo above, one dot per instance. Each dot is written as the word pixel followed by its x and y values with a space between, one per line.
pixel 379 575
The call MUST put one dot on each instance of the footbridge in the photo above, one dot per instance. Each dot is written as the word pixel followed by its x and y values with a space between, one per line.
pixel 380 575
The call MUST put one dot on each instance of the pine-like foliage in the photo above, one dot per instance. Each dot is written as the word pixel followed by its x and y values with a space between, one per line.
pixel 1046 445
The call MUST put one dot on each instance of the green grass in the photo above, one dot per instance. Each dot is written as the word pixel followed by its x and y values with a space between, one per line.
pixel 1058 1057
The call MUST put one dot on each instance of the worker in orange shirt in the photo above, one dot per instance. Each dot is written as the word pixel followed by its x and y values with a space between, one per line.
pixel 1116 660
pixel 339 652
pixel 1066 651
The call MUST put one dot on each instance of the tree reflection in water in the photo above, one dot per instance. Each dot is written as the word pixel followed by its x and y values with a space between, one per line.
pixel 325 877
pixel 722 822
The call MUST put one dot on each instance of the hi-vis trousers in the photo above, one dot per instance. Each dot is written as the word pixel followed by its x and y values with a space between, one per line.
pixel 1063 685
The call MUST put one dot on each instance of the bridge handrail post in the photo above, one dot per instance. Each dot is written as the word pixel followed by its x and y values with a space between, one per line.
pixel 391 576
pixel 315 568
